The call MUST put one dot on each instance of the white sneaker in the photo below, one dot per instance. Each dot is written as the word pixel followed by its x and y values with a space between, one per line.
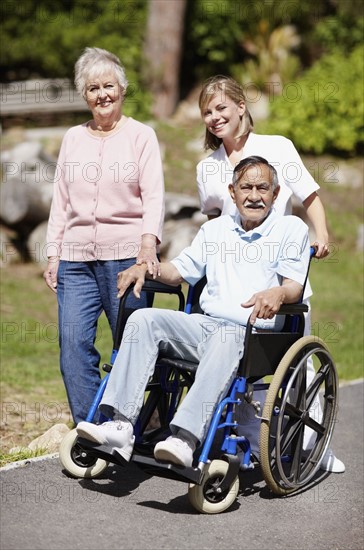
pixel 175 450
pixel 332 464
pixel 114 433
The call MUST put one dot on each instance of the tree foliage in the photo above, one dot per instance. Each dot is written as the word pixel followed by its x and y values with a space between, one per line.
pixel 45 37
pixel 324 110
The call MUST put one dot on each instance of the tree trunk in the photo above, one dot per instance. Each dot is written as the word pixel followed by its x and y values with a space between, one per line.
pixel 163 50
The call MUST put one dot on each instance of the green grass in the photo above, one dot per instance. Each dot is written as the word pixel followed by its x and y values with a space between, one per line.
pixel 20 454
pixel 337 310
pixel 337 281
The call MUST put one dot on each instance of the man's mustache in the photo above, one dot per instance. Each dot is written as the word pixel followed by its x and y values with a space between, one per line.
pixel 251 204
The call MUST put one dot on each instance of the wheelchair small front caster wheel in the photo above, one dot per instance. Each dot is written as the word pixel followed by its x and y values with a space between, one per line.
pixel 77 461
pixel 206 498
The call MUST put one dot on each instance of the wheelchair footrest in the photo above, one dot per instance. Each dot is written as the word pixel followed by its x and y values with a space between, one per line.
pixel 167 470
pixel 102 451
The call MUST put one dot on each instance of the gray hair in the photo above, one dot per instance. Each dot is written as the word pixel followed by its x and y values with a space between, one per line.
pixel 95 62
pixel 248 162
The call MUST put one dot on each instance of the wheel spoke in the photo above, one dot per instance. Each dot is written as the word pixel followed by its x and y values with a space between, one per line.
pixel 316 383
pixel 288 435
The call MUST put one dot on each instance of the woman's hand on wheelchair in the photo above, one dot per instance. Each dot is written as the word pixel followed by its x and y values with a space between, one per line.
pixel 133 275
pixel 321 249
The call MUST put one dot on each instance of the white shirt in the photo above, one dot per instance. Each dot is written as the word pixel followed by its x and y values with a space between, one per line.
pixel 215 172
pixel 239 263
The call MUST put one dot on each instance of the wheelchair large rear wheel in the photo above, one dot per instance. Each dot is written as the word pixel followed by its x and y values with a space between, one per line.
pixel 204 498
pixel 77 461
pixel 295 403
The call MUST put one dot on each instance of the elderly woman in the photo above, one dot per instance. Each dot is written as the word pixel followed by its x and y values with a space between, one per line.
pixel 107 214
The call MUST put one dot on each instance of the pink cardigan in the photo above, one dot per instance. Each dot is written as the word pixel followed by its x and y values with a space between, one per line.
pixel 108 192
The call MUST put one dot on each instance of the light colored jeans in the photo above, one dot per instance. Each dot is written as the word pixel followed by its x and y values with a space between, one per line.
pixel 216 344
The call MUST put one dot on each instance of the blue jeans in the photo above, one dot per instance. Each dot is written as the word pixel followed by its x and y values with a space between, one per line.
pixel 217 345
pixel 84 291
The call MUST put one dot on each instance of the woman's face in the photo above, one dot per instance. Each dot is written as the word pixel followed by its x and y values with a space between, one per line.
pixel 222 116
pixel 104 96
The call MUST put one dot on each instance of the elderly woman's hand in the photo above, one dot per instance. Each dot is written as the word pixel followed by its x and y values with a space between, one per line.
pixel 50 274
pixel 148 255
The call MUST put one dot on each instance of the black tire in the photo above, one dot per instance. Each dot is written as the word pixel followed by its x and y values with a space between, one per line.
pixel 286 466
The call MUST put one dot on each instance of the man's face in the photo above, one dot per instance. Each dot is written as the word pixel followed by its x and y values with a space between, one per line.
pixel 253 195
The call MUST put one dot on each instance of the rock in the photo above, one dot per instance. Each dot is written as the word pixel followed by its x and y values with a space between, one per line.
pixel 37 244
pixel 182 221
pixel 343 173
pixel 27 186
pixel 177 234
pixel 258 103
pixel 9 254
pixel 51 439
pixel 180 206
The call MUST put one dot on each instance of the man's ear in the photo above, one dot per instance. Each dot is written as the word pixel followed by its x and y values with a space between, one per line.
pixel 276 192
pixel 232 192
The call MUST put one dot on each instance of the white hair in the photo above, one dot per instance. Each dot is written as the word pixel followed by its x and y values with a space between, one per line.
pixel 95 62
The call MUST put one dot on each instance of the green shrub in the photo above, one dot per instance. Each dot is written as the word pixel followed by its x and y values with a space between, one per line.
pixel 322 112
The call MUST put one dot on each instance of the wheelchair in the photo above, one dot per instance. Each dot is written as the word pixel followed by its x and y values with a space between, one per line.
pixel 277 358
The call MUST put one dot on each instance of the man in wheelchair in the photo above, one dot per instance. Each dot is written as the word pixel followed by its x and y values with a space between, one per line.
pixel 253 262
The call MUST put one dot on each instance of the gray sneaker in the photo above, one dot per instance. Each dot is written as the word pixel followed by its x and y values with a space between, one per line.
pixel 115 433
pixel 175 450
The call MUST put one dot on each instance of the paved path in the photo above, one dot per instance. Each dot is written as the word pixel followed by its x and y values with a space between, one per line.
pixel 41 508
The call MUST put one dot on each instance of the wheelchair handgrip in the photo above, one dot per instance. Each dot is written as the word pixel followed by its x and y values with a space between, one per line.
pixel 156 286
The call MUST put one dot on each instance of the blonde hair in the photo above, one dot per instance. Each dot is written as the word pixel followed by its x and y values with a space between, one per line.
pixel 227 87
pixel 95 62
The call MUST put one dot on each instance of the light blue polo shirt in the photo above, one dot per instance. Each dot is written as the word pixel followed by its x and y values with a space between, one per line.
pixel 239 263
